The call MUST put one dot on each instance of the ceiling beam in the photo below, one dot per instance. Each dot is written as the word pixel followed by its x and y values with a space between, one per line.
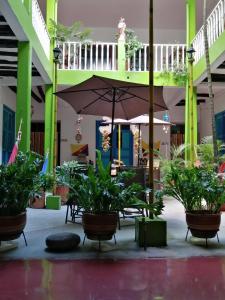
pixel 7 43
pixel 33 94
pixel 41 92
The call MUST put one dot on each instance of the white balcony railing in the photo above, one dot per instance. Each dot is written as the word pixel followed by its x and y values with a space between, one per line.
pixel 93 56
pixel 215 27
pixel 40 27
pixel 104 56
pixel 166 57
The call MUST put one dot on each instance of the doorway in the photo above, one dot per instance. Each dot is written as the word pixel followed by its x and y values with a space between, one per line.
pixel 126 142
pixel 8 133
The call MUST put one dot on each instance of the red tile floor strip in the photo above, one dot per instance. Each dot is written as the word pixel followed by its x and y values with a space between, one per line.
pixel 146 279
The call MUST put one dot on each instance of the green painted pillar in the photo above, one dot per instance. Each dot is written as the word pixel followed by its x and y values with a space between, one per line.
pixel 23 100
pixel 191 119
pixel 50 99
pixel 28 5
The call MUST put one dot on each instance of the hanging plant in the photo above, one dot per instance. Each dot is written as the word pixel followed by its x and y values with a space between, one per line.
pixel 178 73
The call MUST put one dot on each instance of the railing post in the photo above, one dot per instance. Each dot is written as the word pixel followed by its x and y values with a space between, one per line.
pixel 191 98
pixel 121 46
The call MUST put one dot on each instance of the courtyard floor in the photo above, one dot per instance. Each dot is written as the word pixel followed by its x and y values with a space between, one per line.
pixel 182 270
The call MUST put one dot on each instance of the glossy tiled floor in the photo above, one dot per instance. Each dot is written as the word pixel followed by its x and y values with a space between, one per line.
pixel 177 279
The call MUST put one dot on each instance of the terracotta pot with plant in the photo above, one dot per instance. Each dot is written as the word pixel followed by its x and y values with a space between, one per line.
pixel 201 193
pixel 17 183
pixel 102 197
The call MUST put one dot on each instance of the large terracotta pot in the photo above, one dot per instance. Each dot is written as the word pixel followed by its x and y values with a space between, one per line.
pixel 62 191
pixel 11 227
pixel 203 224
pixel 100 226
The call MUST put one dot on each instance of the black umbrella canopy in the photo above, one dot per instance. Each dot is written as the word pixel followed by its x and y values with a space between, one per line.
pixel 96 95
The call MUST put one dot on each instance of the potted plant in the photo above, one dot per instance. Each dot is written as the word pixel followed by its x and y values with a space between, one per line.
pixel 201 193
pixel 17 183
pixel 152 230
pixel 64 174
pixel 44 184
pixel 102 197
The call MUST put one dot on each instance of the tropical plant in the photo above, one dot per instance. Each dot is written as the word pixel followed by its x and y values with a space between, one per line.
pixel 17 183
pixel 44 182
pixel 99 192
pixel 178 73
pixel 196 188
pixel 74 32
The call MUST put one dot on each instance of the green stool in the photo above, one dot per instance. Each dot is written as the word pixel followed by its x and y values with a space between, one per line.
pixel 53 202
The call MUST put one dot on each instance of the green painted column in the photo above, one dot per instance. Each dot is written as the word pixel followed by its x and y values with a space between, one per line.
pixel 23 99
pixel 191 119
pixel 28 5
pixel 50 99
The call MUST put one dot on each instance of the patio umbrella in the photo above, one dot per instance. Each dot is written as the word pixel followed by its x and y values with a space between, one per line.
pixel 144 120
pixel 102 96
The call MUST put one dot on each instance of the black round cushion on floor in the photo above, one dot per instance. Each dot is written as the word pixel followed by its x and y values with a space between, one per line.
pixel 63 241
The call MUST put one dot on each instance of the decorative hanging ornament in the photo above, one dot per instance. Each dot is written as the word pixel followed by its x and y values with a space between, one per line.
pixel 137 139
pixel 105 131
pixel 166 118
pixel 78 136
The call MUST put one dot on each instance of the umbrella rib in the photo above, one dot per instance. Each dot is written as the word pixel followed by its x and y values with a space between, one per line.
pixel 77 91
pixel 144 99
pixel 102 96
pixel 124 111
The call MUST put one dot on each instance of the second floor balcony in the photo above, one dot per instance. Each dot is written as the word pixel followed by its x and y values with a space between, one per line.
pixel 102 56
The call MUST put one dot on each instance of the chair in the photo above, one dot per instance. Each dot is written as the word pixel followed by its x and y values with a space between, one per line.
pixel 139 177
pixel 73 210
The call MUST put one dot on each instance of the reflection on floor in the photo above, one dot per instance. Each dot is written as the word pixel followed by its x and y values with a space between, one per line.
pixel 192 278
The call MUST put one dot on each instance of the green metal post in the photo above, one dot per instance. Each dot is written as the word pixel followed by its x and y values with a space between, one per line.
pixel 23 101
pixel 28 5
pixel 191 123
pixel 50 99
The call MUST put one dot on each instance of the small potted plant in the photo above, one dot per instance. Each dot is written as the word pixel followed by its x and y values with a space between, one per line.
pixel 201 193
pixel 17 183
pixel 102 197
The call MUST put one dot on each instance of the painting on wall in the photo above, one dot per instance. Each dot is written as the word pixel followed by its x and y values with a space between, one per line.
pixel 79 149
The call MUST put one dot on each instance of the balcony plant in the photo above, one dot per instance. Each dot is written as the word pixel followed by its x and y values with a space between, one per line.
pixel 132 43
pixel 201 193
pixel 102 197
pixel 17 183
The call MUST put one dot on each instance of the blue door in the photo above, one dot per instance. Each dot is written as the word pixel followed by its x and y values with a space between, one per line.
pixel 8 136
pixel 126 144
pixel 220 126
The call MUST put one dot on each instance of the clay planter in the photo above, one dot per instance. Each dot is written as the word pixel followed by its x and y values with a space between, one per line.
pixel 62 191
pixel 203 224
pixel 11 227
pixel 100 226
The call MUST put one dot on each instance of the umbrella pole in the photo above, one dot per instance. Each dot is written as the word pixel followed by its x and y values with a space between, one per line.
pixel 112 124
pixel 139 143
pixel 151 113
pixel 119 143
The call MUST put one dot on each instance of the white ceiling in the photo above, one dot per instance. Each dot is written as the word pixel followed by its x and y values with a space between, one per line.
pixel 168 14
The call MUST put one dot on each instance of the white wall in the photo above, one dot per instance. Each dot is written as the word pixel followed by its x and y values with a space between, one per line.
pixel 160 36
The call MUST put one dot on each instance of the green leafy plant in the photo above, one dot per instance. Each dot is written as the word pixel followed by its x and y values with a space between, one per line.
pixel 74 32
pixel 132 43
pixel 17 183
pixel 99 192
pixel 178 73
pixel 196 188
pixel 45 182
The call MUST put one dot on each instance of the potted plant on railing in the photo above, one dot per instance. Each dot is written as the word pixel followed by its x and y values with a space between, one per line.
pixel 201 193
pixel 17 183
pixel 102 197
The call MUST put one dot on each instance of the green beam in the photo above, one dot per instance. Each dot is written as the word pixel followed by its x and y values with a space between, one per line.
pixel 28 5
pixel 23 101
pixel 71 77
pixel 191 93
pixel 20 11
pixel 50 99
